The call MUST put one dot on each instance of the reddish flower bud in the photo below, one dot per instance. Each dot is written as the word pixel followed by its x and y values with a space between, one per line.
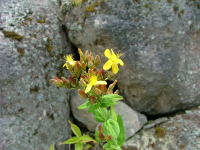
pixel 82 93
pixel 92 99
pixel 97 91
pixel 57 81
pixel 102 87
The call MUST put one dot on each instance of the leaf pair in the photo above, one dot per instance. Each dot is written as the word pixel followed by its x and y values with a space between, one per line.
pixel 79 140
pixel 104 101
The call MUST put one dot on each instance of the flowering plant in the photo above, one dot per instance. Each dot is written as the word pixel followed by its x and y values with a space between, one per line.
pixel 92 85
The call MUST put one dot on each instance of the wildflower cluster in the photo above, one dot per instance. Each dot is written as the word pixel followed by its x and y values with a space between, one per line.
pixel 92 84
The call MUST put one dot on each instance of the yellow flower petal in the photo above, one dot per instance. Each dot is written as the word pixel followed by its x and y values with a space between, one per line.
pixel 115 68
pixel 101 82
pixel 65 65
pixel 107 65
pixel 120 62
pixel 93 80
pixel 113 54
pixel 88 88
pixel 107 53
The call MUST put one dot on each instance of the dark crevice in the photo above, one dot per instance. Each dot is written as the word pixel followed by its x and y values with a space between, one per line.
pixel 169 114
pixel 74 49
pixel 75 121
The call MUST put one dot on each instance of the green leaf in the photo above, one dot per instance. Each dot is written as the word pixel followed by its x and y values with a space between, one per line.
pixel 93 107
pixel 101 114
pixel 51 147
pixel 87 146
pixel 75 129
pixel 84 105
pixel 110 99
pixel 86 138
pixel 78 146
pixel 121 137
pixel 97 136
pixel 71 141
pixel 111 127
pixel 111 146
pixel 114 97
pixel 113 113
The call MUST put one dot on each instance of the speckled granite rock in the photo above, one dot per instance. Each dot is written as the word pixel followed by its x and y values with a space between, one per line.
pixel 133 121
pixel 160 42
pixel 181 132
pixel 33 112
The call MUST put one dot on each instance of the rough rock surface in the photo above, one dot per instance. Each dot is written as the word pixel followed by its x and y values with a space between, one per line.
pixel 33 112
pixel 133 121
pixel 181 132
pixel 160 42
pixel 82 115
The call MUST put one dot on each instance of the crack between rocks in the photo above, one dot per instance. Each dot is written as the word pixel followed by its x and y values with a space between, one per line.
pixel 74 49
pixel 169 114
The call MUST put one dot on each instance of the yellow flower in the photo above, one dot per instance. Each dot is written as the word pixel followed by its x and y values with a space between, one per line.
pixel 69 61
pixel 93 81
pixel 113 61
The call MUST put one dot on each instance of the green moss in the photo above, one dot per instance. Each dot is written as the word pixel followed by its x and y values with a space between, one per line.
pixel 13 35
pixel 91 7
pixel 146 5
pixel 198 6
pixel 28 19
pixel 49 45
pixel 182 146
pixel 170 1
pixel 41 21
pixel 181 13
pixel 136 1
pixel 176 9
pixel 160 132
pixel 34 89
pixel 77 2
pixel 20 51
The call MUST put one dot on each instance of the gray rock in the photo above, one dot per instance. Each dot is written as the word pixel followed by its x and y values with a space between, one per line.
pixel 82 115
pixel 156 122
pixel 33 112
pixel 181 132
pixel 160 42
pixel 133 121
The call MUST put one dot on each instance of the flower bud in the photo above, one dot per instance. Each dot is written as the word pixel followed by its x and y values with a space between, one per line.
pixel 58 82
pixel 102 87
pixel 72 81
pixel 82 93
pixel 97 91
pixel 97 60
pixel 66 82
pixel 92 99
pixel 82 82
pixel 111 87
